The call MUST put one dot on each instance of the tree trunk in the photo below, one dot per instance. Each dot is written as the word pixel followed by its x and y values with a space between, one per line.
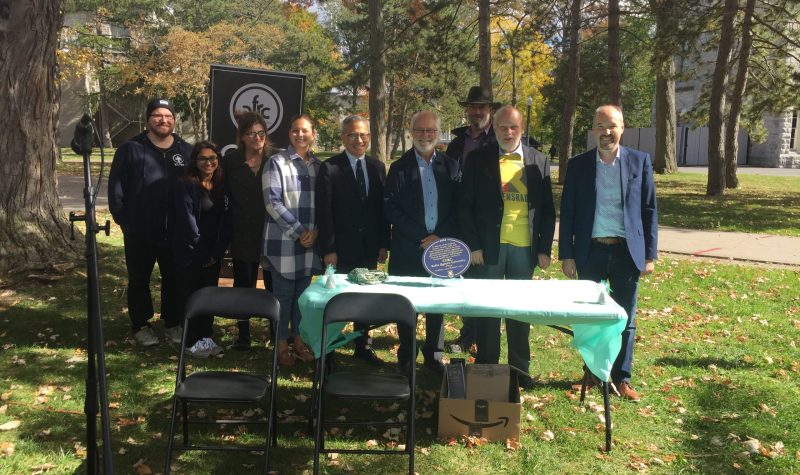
pixel 614 63
pixel 571 89
pixel 377 79
pixel 33 231
pixel 391 119
pixel 665 160
pixel 716 113
pixel 485 45
pixel 739 86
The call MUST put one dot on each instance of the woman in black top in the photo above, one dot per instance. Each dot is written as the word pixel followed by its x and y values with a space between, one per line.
pixel 243 168
pixel 201 235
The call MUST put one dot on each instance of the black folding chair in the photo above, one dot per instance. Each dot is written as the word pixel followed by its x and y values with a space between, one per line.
pixel 227 387
pixel 589 378
pixel 366 386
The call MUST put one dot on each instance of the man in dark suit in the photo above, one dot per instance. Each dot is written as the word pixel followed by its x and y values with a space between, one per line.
pixel 507 217
pixel 609 225
pixel 420 204
pixel 353 230
pixel 478 108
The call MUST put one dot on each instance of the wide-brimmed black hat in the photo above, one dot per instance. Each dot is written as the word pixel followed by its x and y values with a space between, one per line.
pixel 478 95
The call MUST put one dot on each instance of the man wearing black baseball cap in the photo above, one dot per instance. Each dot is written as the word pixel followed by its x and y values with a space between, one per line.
pixel 140 198
pixel 478 107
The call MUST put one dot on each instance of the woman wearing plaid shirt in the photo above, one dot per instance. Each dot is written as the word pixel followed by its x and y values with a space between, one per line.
pixel 290 235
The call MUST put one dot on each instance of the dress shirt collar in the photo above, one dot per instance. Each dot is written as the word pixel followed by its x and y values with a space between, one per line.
pixel 353 158
pixel 421 161
pixel 517 151
pixel 600 160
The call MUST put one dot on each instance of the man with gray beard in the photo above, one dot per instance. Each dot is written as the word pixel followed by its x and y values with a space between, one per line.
pixel 420 200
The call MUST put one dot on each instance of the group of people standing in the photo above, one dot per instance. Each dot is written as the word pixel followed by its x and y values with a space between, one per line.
pixel 292 214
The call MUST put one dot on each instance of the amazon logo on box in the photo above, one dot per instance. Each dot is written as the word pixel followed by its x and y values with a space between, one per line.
pixel 489 407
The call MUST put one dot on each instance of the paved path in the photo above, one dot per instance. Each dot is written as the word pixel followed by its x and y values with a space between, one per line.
pixel 758 248
pixel 70 190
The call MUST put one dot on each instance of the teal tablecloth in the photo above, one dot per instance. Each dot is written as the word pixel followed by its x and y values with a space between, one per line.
pixel 596 320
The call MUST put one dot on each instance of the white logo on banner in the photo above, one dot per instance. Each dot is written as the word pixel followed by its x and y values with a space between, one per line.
pixel 260 99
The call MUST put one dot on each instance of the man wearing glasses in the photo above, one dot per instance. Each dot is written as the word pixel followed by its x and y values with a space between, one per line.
pixel 420 202
pixel 353 230
pixel 140 195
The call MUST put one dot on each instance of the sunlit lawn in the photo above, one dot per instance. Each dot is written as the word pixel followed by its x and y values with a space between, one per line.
pixel 716 362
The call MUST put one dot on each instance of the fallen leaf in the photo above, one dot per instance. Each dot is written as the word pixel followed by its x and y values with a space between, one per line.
pixel 512 444
pixel 548 435
pixel 752 445
pixel 6 449
pixel 10 425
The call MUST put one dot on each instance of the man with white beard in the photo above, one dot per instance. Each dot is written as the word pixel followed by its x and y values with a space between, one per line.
pixel 420 203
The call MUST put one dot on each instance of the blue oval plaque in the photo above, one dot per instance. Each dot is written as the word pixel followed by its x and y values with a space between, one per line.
pixel 446 258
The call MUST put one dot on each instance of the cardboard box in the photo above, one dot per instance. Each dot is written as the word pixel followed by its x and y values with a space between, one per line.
pixel 491 408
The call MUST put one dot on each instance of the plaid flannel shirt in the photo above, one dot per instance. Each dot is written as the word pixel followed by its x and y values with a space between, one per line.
pixel 288 185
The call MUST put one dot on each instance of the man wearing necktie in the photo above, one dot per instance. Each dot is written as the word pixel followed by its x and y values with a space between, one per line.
pixel 353 230
pixel 507 218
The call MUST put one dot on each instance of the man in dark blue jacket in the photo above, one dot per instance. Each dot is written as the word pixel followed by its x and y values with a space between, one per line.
pixel 609 225
pixel 507 217
pixel 420 202
pixel 140 197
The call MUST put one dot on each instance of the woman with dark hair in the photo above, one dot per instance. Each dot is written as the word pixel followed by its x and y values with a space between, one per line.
pixel 202 232
pixel 243 168
pixel 289 251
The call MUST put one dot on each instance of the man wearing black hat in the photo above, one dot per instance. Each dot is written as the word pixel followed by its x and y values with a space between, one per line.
pixel 140 194
pixel 478 111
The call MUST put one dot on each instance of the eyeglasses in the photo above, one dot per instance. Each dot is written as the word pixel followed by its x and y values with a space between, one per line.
pixel 355 136
pixel 260 134
pixel 426 131
pixel 162 116
pixel 207 159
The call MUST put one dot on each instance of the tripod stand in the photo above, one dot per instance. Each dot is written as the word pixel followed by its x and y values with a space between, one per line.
pixel 96 366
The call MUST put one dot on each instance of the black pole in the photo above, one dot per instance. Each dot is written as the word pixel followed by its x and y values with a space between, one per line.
pixel 96 368
pixel 528 123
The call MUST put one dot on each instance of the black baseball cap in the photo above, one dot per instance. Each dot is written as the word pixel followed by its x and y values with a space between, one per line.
pixel 159 103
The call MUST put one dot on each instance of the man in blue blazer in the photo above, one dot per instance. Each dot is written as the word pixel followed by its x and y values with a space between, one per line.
pixel 609 225
pixel 420 203
pixel 507 217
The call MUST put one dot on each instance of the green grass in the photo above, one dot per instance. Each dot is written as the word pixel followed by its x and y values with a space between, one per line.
pixel 716 362
pixel 762 204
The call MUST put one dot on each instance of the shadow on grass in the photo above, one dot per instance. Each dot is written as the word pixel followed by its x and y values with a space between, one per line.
pixel 705 362
pixel 726 417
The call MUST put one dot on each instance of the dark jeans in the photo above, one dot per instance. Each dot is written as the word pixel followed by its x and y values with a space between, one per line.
pixel 513 264
pixel 434 340
pixel 613 262
pixel 362 342
pixel 287 291
pixel 140 258
pixel 190 279
pixel 245 274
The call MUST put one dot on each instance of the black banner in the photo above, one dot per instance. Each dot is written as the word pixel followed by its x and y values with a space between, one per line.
pixel 276 95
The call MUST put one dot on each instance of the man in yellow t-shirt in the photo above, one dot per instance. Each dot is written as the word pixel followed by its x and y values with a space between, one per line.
pixel 507 218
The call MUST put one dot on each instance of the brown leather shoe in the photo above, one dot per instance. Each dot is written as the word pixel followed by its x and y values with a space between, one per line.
pixel 627 392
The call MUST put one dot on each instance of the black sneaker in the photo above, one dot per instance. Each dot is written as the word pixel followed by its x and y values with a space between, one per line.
pixel 434 365
pixel 525 383
pixel 241 345
pixel 368 354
